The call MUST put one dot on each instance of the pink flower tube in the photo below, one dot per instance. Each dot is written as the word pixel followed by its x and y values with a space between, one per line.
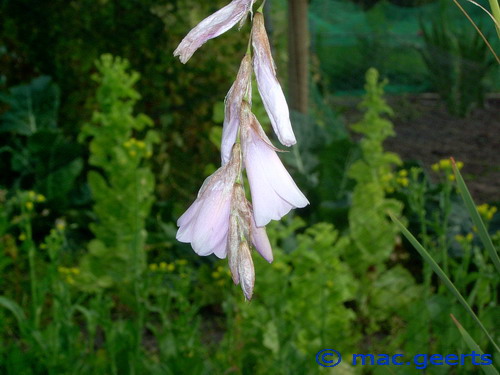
pixel 269 87
pixel 211 27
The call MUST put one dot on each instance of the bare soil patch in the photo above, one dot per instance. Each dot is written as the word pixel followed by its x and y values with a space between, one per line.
pixel 426 132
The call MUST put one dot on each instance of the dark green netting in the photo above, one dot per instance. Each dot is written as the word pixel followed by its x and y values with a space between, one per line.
pixel 349 39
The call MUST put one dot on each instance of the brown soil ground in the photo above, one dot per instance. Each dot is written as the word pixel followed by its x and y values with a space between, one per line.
pixel 427 133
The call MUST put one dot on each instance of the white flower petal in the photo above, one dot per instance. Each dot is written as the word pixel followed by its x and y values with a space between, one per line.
pixel 267 82
pixel 274 193
pixel 261 241
pixel 206 223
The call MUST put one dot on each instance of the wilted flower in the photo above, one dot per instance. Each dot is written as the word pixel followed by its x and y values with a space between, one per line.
pixel 205 224
pixel 274 193
pixel 240 89
pixel 212 26
pixel 269 87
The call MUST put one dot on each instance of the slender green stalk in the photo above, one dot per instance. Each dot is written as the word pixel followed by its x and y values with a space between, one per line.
pixel 495 10
pixel 428 258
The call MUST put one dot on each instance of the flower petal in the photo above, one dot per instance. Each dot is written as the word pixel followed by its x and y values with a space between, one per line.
pixel 211 27
pixel 205 224
pixel 267 82
pixel 274 193
pixel 261 241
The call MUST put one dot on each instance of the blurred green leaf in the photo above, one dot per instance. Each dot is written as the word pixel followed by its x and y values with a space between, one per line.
pixel 31 107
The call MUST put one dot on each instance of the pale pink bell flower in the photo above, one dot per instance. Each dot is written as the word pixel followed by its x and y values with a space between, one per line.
pixel 273 191
pixel 212 26
pixel 267 82
pixel 205 224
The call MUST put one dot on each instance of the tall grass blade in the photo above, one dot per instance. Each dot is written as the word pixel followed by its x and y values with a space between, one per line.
pixel 488 369
pixel 428 258
pixel 476 218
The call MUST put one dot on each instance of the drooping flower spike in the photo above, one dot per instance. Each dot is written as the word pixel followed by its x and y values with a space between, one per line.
pixel 213 26
pixel 221 220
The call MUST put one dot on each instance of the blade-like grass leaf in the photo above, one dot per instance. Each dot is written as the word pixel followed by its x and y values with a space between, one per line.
pixel 476 218
pixel 428 258
pixel 488 369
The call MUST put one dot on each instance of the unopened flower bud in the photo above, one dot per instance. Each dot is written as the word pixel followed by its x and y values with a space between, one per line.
pixel 240 89
pixel 246 270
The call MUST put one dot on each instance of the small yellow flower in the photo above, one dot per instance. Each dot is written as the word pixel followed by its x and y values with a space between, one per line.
pixel 459 238
pixel 170 267
pixel 31 195
pixel 153 267
pixel 469 237
pixel 163 266
pixel 215 274
pixel 149 154
pixel 181 262
pixel 40 198
pixel 75 270
pixel 451 177
pixel 444 163
pixel 389 190
pixel 141 144
pixel 132 153
pixel 435 167
pixel 403 181
pixel 60 225
pixel 29 205
pixel 22 237
pixel 459 164
pixel 403 173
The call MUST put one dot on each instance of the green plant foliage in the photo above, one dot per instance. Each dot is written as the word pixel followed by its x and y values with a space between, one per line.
pixel 122 187
pixel 40 156
pixel 298 305
pixel 31 107
pixel 458 62
pixel 371 231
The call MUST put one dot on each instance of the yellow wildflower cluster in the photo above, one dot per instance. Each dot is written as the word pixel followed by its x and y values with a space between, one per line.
pixel 395 181
pixel 467 238
pixel 134 146
pixel 402 178
pixel 444 165
pixel 68 273
pixel 31 199
pixel 162 267
pixel 486 211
